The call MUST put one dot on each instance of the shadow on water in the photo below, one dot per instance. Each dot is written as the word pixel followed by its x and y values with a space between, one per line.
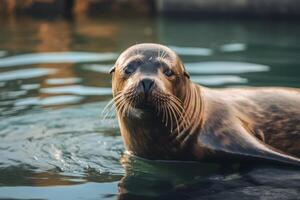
pixel 152 179
pixel 163 180
pixel 53 143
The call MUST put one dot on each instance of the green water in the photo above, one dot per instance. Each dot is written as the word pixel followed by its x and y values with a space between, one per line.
pixel 54 85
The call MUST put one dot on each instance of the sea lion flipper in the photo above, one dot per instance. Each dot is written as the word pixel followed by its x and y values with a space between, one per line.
pixel 240 143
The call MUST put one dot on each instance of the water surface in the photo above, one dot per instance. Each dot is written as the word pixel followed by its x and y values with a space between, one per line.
pixel 54 84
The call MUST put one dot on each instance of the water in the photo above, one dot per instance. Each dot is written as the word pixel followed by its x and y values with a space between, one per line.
pixel 54 85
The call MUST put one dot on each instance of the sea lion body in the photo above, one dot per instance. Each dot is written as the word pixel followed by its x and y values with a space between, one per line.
pixel 163 115
pixel 265 116
pixel 272 115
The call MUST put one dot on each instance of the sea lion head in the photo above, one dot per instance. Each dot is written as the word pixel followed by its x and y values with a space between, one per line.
pixel 148 78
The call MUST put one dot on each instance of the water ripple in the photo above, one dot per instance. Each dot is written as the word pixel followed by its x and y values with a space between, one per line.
pixel 98 68
pixel 192 51
pixel 56 57
pixel 30 86
pixel 13 94
pixel 219 80
pixel 60 81
pixel 78 90
pixel 2 53
pixel 25 74
pixel 233 47
pixel 224 67
pixel 67 139
pixel 49 101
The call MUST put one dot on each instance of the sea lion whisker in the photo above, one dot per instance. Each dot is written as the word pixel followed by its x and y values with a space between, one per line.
pixel 164 54
pixel 123 108
pixel 109 106
pixel 108 113
pixel 181 120
pixel 128 108
pixel 178 103
pixel 166 115
pixel 171 116
pixel 180 110
pixel 162 107
pixel 161 55
pixel 110 103
pixel 128 104
pixel 119 104
pixel 156 106
pixel 119 100
pixel 158 53
pixel 175 117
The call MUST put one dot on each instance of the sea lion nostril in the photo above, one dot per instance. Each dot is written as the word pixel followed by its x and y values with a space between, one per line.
pixel 147 85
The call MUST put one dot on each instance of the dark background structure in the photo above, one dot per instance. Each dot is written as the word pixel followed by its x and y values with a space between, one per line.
pixel 248 8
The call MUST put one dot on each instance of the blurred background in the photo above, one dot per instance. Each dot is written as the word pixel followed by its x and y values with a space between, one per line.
pixel 54 83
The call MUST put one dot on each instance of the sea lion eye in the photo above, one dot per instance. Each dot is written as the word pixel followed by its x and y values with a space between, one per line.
pixel 129 69
pixel 168 72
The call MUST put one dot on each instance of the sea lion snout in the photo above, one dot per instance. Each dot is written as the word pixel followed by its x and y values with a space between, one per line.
pixel 147 85
pixel 145 91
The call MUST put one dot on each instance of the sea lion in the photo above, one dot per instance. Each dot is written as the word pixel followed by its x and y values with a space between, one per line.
pixel 163 115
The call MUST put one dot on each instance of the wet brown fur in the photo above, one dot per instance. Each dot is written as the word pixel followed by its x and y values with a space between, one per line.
pixel 271 114
pixel 219 124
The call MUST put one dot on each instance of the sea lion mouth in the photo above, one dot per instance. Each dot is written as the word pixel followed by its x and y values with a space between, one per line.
pixel 163 105
pixel 142 101
pixel 145 105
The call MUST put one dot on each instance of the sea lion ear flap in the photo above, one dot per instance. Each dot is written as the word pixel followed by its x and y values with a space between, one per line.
pixel 186 74
pixel 112 69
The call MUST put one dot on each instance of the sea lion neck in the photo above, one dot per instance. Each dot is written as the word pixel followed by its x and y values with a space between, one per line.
pixel 147 137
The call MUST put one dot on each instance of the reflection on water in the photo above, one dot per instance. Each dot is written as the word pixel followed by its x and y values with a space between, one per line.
pixel 2 53
pixel 154 178
pixel 24 74
pixel 219 80
pixel 62 81
pixel 57 57
pixel 52 134
pixel 48 101
pixel 77 89
pixel 224 67
pixel 233 47
pixel 192 51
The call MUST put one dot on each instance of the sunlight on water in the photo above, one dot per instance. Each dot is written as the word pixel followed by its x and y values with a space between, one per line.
pixel 49 101
pixel 2 53
pixel 77 89
pixel 233 47
pixel 191 51
pixel 60 81
pixel 98 68
pixel 218 80
pixel 30 86
pixel 55 57
pixel 24 74
pixel 95 191
pixel 223 67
